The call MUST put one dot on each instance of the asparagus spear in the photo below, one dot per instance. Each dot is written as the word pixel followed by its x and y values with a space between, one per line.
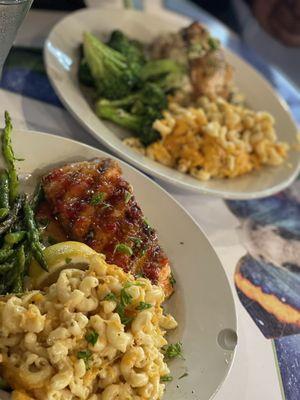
pixel 4 195
pixel 33 236
pixel 37 196
pixel 12 238
pixel 9 157
pixel 12 216
pixel 17 284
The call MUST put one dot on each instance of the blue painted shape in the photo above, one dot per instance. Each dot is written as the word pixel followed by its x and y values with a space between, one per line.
pixel 29 83
pixel 269 326
pixel 272 280
pixel 288 355
pixel 280 211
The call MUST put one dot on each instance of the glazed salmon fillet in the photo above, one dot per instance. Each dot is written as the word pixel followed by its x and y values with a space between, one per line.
pixel 94 204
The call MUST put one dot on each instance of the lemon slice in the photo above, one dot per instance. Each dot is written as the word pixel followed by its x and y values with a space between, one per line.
pixel 60 256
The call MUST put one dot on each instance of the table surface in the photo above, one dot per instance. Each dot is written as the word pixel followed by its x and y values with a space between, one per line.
pixel 263 368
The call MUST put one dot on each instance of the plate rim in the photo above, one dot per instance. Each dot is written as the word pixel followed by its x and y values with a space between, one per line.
pixel 162 176
pixel 234 316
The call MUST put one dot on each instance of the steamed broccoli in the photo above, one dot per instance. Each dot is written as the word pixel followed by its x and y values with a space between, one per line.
pixel 166 73
pixel 151 95
pixel 141 125
pixel 113 76
pixel 84 74
pixel 131 49
pixel 136 112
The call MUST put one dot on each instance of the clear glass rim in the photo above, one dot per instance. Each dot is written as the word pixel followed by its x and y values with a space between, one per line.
pixel 13 2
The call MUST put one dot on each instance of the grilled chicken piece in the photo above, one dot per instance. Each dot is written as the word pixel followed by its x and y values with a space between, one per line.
pixel 96 206
pixel 201 55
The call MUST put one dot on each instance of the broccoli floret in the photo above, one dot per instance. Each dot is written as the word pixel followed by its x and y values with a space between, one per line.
pixel 165 72
pixel 136 112
pixel 140 125
pixel 84 74
pixel 151 95
pixel 131 49
pixel 113 76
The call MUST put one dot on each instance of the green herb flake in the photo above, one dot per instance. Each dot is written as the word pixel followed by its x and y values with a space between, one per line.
pixel 146 222
pixel 125 320
pixel 128 196
pixel 68 260
pixel 110 297
pixel 137 241
pixel 213 43
pixel 183 375
pixel 92 337
pixel 85 355
pixel 135 283
pixel 123 248
pixel 125 298
pixel 172 279
pixel 97 198
pixel 173 350
pixel 143 306
pixel 139 275
pixel 166 378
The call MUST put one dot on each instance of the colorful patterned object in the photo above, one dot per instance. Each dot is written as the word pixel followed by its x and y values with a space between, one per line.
pixel 24 73
pixel 268 277
pixel 271 295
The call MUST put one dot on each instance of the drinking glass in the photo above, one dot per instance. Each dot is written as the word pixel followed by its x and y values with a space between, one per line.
pixel 12 13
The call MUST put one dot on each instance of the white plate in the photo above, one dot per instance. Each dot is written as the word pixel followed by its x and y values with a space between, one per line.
pixel 202 304
pixel 61 57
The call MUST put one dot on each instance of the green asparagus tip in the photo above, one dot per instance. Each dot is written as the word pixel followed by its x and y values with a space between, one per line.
pixel 7 118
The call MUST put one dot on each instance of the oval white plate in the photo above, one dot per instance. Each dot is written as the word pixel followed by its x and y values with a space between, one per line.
pixel 202 304
pixel 61 57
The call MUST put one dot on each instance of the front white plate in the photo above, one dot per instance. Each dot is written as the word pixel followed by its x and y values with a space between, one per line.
pixel 61 57
pixel 202 304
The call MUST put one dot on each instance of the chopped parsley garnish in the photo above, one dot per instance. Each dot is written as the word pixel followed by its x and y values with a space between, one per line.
pixel 128 196
pixel 85 355
pixel 97 198
pixel 128 284
pixel 183 375
pixel 172 279
pixel 125 320
pixel 213 43
pixel 143 306
pixel 146 222
pixel 92 337
pixel 140 275
pixel 166 378
pixel 123 248
pixel 173 350
pixel 137 241
pixel 68 260
pixel 125 300
pixel 110 297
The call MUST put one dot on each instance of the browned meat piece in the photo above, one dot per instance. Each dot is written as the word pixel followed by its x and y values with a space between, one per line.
pixel 210 75
pixel 95 205
pixel 201 54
